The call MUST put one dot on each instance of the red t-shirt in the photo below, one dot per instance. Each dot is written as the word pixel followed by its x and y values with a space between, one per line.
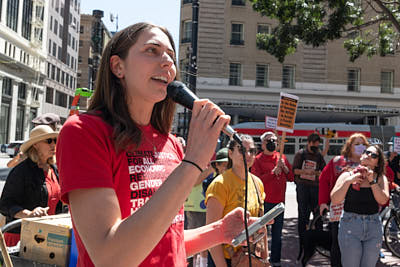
pixel 330 174
pixel 87 159
pixel 54 191
pixel 274 186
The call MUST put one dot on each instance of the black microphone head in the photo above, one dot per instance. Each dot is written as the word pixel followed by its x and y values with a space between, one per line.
pixel 179 92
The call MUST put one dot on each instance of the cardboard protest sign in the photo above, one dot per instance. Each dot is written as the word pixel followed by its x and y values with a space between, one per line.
pixel 396 144
pixel 270 122
pixel 287 112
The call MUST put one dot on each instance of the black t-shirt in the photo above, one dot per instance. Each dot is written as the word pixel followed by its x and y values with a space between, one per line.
pixel 307 160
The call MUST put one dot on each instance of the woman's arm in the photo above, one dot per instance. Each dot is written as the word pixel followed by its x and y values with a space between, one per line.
pixel 106 236
pixel 380 190
pixel 341 187
pixel 214 213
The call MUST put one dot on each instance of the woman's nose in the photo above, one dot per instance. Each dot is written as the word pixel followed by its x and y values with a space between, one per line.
pixel 167 60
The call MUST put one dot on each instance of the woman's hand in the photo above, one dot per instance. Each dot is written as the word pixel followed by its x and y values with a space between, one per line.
pixel 205 127
pixel 369 175
pixel 357 177
pixel 39 212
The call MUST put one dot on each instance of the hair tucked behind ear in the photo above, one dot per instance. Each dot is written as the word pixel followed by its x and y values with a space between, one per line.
pixel 110 97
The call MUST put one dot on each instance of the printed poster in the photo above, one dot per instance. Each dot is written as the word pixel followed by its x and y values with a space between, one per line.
pixel 287 112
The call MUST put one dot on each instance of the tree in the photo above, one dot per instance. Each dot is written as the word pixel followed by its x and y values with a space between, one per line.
pixel 369 27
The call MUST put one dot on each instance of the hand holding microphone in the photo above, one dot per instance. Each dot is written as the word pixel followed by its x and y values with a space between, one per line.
pixel 205 126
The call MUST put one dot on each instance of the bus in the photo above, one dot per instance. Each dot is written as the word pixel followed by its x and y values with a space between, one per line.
pixel 298 139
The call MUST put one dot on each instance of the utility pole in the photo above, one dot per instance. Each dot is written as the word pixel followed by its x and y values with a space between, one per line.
pixel 192 61
pixel 193 57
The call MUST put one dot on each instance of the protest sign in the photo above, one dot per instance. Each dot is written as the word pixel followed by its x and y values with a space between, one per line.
pixel 287 112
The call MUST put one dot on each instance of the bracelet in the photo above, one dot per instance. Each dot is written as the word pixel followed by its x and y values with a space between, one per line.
pixel 194 164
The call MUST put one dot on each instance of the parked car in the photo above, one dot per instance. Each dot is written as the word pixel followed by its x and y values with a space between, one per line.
pixel 13 148
pixel 4 173
pixel 3 148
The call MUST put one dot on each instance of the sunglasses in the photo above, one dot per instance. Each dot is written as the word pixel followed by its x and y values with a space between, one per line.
pixel 371 154
pixel 252 150
pixel 51 140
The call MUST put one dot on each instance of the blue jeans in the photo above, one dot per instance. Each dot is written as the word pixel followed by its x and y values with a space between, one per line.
pixel 360 239
pixel 276 234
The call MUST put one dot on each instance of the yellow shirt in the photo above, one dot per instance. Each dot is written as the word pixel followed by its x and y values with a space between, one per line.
pixel 229 190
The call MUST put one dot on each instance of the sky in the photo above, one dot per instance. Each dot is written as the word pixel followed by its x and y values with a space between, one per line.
pixel 161 12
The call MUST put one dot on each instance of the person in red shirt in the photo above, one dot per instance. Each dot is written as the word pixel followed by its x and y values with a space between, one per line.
pixel 123 174
pixel 274 171
pixel 350 158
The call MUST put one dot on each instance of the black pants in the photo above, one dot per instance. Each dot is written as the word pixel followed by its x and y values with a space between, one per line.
pixel 307 202
pixel 335 250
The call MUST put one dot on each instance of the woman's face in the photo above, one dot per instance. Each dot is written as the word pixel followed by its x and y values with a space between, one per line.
pixel 358 146
pixel 46 149
pixel 236 155
pixel 149 67
pixel 370 157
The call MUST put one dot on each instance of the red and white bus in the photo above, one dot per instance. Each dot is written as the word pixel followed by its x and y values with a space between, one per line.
pixel 298 139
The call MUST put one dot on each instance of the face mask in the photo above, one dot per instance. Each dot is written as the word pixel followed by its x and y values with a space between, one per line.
pixel 314 149
pixel 359 149
pixel 270 146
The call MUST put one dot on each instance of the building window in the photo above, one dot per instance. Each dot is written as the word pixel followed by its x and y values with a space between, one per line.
pixel 59 53
pixel 49 46
pixel 61 99
pixel 237 34
pixel 288 77
pixel 387 82
pixel 60 32
pixel 353 80
pixel 238 2
pixel 262 75
pixel 7 87
pixel 263 28
pixel 235 74
pixel 53 72
pixel 58 75
pixel 54 49
pixel 187 1
pixel 27 19
pixel 55 27
pixel 62 77
pixel 49 95
pixel 73 43
pixel 187 31
pixel 80 43
pixel 19 129
pixel 4 121
pixel 81 29
pixel 51 23
pixel 48 70
pixel 12 14
pixel 22 91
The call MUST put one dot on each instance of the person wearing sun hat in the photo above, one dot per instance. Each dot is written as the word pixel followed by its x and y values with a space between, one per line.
pixel 32 188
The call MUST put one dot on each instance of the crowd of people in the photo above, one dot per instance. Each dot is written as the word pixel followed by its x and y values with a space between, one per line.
pixel 138 195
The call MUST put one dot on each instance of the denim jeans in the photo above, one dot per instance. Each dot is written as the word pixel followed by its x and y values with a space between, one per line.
pixel 276 234
pixel 360 239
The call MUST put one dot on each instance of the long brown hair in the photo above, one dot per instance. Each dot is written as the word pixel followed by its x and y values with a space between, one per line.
pixel 380 168
pixel 346 150
pixel 233 143
pixel 110 97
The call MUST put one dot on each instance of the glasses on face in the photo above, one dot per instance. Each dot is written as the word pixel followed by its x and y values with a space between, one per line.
pixel 371 154
pixel 252 150
pixel 50 140
pixel 270 140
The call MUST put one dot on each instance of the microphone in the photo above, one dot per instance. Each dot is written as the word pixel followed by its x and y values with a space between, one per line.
pixel 182 95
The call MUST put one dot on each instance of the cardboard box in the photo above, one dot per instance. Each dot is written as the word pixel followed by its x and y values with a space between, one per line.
pixel 46 239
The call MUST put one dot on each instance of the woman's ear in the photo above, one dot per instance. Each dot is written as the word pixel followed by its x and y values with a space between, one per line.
pixel 117 66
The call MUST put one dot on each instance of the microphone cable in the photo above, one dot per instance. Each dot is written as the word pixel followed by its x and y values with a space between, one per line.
pixel 243 151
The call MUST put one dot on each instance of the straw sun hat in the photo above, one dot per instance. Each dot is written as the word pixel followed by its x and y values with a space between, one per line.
pixel 39 133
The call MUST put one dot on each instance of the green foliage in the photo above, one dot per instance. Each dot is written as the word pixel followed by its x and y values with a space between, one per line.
pixel 366 29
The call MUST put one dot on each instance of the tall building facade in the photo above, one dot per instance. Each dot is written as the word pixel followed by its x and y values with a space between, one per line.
pixel 246 81
pixel 23 31
pixel 93 38
pixel 62 56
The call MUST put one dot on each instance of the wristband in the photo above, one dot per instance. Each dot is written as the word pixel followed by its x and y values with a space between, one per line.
pixel 194 164
pixel 373 182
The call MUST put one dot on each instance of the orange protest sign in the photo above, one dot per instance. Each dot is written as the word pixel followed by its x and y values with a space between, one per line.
pixel 287 112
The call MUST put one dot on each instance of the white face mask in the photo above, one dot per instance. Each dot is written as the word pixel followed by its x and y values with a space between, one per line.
pixel 359 149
